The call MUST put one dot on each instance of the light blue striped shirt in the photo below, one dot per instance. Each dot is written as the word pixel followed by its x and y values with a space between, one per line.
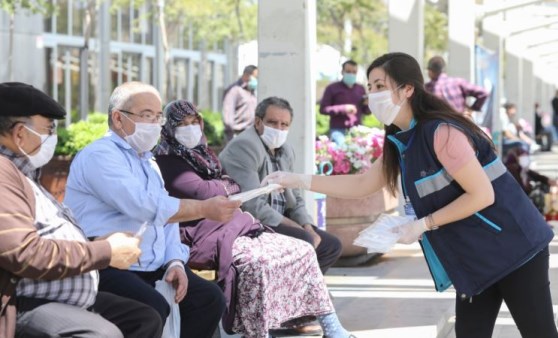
pixel 111 188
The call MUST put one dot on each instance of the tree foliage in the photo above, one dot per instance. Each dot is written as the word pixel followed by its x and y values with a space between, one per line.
pixel 33 6
pixel 435 31
pixel 369 21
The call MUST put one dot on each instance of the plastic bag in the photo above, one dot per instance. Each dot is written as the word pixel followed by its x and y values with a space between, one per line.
pixel 248 195
pixel 381 235
pixel 172 325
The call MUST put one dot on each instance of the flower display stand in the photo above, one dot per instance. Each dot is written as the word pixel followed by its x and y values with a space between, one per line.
pixel 345 218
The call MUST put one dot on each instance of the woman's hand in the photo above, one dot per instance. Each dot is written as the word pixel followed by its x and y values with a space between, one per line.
pixel 410 232
pixel 288 180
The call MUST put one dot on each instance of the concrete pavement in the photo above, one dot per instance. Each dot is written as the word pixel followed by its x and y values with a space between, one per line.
pixel 393 297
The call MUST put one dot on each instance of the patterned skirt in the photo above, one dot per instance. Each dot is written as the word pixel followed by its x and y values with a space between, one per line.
pixel 278 280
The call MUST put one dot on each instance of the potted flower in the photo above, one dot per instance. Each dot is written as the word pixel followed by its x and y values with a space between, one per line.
pixel 71 140
pixel 345 218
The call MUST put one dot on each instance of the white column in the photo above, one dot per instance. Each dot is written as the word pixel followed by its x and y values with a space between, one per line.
pixel 527 87
pixel 514 74
pixel 493 40
pixel 286 51
pixel 461 32
pixel 406 28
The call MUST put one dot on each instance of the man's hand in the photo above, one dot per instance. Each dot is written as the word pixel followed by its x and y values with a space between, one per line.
pixel 288 180
pixel 124 250
pixel 177 277
pixel 310 229
pixel 350 109
pixel 219 208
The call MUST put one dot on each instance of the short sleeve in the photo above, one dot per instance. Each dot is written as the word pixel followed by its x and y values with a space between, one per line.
pixel 452 147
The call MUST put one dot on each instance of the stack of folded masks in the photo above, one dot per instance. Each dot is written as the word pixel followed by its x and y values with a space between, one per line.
pixel 381 235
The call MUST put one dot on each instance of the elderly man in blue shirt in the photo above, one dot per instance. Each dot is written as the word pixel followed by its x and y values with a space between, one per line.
pixel 114 185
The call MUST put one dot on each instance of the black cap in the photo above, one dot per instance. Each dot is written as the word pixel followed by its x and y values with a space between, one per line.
pixel 20 99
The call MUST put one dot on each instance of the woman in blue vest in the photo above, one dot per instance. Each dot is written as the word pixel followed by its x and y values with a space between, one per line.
pixel 477 228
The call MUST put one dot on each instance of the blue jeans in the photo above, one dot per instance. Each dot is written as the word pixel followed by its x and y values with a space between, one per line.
pixel 337 135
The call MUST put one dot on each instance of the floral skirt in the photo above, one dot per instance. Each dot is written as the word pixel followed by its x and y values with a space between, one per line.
pixel 278 280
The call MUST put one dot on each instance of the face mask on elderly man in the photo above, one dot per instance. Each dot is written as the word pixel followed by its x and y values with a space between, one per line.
pixel 46 150
pixel 274 138
pixel 145 137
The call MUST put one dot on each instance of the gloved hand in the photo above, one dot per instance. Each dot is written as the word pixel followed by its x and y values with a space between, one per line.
pixel 288 180
pixel 410 232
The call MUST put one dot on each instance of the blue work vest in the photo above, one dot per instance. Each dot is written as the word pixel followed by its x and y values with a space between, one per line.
pixel 475 252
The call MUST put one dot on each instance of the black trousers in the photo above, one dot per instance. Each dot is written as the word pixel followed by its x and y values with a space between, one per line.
pixel 200 310
pixel 327 252
pixel 110 316
pixel 526 292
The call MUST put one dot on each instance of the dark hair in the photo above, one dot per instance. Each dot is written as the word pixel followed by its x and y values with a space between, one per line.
pixel 403 69
pixel 509 105
pixel 8 122
pixel 348 62
pixel 249 70
pixel 436 64
pixel 261 109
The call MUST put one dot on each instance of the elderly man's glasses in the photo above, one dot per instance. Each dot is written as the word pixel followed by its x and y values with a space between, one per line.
pixel 51 130
pixel 148 116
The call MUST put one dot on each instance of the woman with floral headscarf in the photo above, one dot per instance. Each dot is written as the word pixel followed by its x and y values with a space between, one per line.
pixel 268 279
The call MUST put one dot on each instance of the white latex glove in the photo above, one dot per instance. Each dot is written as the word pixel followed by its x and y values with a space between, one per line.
pixel 288 180
pixel 410 232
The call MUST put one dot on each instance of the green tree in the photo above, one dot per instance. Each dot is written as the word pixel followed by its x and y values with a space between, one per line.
pixel 12 7
pixel 435 31
pixel 369 22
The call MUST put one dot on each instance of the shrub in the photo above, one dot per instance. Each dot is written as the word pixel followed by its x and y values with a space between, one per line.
pixel 214 129
pixel 79 134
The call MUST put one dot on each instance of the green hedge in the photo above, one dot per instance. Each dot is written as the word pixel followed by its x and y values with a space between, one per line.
pixel 79 134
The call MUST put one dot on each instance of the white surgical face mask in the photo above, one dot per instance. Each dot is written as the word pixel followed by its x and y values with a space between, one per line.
pixel 274 138
pixel 145 136
pixel 189 136
pixel 45 153
pixel 382 106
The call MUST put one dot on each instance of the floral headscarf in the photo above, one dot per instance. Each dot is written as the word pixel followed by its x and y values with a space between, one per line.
pixel 202 159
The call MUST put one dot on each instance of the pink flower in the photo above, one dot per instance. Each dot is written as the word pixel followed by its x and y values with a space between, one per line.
pixel 363 146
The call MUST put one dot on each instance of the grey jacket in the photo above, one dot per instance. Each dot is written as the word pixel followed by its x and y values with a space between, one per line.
pixel 246 160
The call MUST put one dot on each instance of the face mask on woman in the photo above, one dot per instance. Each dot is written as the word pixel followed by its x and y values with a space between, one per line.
pixel 145 136
pixel 382 106
pixel 189 136
pixel 274 138
pixel 45 153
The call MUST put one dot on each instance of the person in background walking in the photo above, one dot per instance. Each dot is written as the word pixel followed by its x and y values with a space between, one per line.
pixel 453 90
pixel 239 103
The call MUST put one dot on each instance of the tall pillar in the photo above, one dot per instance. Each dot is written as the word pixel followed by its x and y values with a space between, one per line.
pixel 285 59
pixel 406 28
pixel 103 56
pixel 514 74
pixel 493 39
pixel 527 87
pixel 461 32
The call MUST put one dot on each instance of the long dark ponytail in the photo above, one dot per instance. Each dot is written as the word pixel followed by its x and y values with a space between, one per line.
pixel 403 69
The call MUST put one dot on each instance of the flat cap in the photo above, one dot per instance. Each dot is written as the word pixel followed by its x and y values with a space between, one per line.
pixel 20 99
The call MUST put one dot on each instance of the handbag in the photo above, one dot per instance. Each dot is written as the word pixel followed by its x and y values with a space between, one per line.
pixel 8 313
pixel 172 325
